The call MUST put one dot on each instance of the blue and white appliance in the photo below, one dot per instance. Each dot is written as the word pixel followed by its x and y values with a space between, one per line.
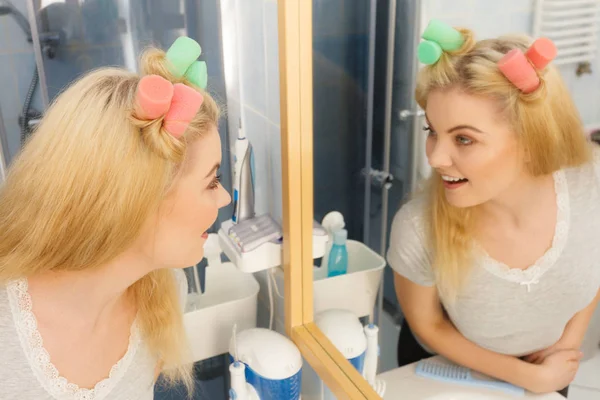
pixel 358 344
pixel 265 365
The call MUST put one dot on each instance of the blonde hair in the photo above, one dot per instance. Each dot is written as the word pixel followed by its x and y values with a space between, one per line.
pixel 79 192
pixel 546 121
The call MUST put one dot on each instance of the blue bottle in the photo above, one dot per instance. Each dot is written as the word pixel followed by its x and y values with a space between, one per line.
pixel 338 256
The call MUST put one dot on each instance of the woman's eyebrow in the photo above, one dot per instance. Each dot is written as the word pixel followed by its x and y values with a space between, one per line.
pixel 458 127
pixel 213 170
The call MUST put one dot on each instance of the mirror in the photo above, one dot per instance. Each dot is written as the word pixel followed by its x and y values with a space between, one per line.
pixel 369 159
pixel 324 92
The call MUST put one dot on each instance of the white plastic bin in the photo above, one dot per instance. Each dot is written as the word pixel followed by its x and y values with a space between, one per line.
pixel 355 291
pixel 230 298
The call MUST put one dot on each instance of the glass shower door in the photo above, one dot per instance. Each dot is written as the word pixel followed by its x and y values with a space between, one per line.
pixel 76 36
pixel 366 122
pixel 340 65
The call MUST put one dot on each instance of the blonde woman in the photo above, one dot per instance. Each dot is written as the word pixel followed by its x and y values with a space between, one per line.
pixel 98 210
pixel 496 260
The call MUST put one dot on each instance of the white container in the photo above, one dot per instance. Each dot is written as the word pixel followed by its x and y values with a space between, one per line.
pixel 355 291
pixel 265 256
pixel 230 298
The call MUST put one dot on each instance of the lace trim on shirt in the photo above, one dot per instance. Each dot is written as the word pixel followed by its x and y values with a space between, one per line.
pixel 596 160
pixel 39 359
pixel 531 275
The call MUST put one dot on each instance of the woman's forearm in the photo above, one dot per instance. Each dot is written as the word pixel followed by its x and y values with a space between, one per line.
pixel 577 327
pixel 447 341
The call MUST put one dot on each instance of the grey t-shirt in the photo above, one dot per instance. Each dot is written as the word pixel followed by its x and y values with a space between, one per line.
pixel 26 371
pixel 513 311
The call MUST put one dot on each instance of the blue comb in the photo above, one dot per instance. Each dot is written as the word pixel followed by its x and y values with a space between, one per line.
pixel 460 375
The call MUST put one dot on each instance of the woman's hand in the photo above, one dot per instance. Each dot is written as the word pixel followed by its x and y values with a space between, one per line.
pixel 572 336
pixel 539 356
pixel 556 371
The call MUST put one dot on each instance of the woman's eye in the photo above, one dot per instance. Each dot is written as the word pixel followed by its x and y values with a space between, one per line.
pixel 215 183
pixel 429 131
pixel 462 140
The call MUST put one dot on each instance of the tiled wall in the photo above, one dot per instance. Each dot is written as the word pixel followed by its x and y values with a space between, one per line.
pixel 258 97
pixel 17 64
pixel 259 102
pixel 98 34
pixel 259 65
pixel 494 18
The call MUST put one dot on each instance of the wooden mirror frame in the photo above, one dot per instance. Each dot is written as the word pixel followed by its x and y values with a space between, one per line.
pixel 296 94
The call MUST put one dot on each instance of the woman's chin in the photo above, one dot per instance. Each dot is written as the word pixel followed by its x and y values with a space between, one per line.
pixel 461 201
pixel 189 262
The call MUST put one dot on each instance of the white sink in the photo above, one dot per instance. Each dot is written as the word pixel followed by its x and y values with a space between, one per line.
pixel 403 383
pixel 230 298
pixel 463 396
pixel 457 395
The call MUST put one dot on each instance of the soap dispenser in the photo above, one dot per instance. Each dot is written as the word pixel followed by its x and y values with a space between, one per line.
pixel 338 254
pixel 333 221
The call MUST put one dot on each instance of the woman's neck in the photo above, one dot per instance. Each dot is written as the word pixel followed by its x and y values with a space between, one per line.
pixel 519 203
pixel 87 296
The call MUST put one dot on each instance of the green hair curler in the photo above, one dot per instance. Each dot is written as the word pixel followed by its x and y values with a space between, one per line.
pixel 439 37
pixel 182 53
pixel 197 74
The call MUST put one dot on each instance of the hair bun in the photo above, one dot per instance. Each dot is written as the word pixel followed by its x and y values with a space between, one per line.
pixel 154 62
pixel 468 45
pixel 149 117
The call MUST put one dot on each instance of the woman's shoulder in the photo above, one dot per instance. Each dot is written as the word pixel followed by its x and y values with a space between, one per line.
pixel 407 253
pixel 595 162
pixel 582 177
pixel 10 346
pixel 412 213
pixel 6 313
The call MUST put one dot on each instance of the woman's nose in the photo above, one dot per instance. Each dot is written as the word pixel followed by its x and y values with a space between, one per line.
pixel 438 154
pixel 224 197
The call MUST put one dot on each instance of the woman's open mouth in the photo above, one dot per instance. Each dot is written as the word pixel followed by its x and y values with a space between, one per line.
pixel 452 182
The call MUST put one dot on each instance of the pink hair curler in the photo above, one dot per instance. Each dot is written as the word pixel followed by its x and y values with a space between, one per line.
pixel 153 97
pixel 520 68
pixel 541 53
pixel 515 66
pixel 184 106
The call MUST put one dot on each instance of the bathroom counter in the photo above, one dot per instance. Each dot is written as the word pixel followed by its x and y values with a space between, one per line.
pixel 404 383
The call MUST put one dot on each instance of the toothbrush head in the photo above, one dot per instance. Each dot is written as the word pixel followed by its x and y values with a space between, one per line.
pixel 236 356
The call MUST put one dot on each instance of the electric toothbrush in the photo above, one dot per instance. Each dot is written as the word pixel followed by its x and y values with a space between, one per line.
pixel 239 386
pixel 243 185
